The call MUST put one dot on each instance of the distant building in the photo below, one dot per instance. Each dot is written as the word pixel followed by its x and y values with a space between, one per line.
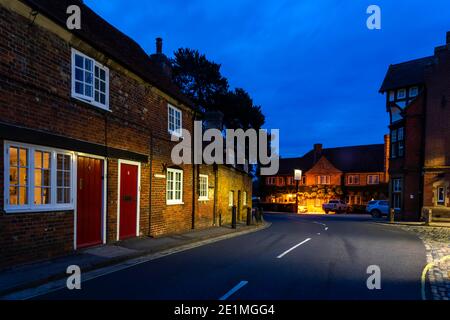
pixel 417 99
pixel 355 174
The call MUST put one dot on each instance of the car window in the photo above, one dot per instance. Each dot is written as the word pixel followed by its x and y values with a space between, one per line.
pixel 372 203
pixel 384 203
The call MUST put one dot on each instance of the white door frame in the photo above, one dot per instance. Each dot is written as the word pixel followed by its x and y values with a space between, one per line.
pixel 138 205
pixel 105 177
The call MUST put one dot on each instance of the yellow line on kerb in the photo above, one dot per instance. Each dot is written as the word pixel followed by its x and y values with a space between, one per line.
pixel 425 271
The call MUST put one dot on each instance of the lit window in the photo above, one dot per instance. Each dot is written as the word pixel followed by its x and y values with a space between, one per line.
pixel 174 121
pixel 231 198
pixel 90 80
pixel 373 179
pixel 401 94
pixel 391 96
pixel 413 92
pixel 353 179
pixel 244 200
pixel 174 186
pixel 203 187
pixel 322 180
pixel 441 196
pixel 32 183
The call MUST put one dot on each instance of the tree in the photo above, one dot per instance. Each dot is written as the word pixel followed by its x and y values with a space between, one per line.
pixel 200 79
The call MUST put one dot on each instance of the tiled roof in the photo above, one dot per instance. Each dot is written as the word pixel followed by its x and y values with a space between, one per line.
pixel 367 158
pixel 110 41
pixel 406 74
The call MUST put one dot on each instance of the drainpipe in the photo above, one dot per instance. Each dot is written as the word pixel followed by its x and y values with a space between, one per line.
pixel 422 154
pixel 194 171
pixel 216 190
pixel 151 184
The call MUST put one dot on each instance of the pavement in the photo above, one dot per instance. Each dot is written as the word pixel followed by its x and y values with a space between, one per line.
pixel 24 277
pixel 297 258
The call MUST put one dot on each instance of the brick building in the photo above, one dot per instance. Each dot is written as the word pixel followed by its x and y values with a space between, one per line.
pixel 355 174
pixel 86 119
pixel 417 94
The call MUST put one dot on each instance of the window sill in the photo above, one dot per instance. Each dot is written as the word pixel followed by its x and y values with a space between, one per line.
pixel 178 203
pixel 92 104
pixel 36 210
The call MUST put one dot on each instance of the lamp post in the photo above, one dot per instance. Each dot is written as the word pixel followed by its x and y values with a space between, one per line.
pixel 298 178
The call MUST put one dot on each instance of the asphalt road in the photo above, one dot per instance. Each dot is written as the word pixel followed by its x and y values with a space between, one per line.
pixel 277 263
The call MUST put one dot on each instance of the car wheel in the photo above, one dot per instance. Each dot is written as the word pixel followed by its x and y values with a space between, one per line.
pixel 326 211
pixel 376 213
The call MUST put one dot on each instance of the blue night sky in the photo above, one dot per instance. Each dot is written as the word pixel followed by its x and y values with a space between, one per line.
pixel 313 66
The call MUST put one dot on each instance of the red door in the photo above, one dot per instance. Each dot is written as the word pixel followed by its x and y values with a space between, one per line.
pixel 89 202
pixel 128 200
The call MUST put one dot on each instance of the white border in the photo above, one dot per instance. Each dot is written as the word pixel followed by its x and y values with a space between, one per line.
pixel 207 187
pixel 104 210
pixel 138 206
pixel 30 207
pixel 175 202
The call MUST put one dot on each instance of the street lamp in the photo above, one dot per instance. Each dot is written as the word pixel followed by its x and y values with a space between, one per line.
pixel 298 177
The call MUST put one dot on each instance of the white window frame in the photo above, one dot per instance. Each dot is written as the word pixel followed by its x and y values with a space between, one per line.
pixel 174 201
pixel 206 185
pixel 371 177
pixel 31 207
pixel 178 132
pixel 401 94
pixel 413 92
pixel 89 99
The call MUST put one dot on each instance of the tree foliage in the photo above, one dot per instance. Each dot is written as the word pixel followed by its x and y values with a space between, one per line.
pixel 201 80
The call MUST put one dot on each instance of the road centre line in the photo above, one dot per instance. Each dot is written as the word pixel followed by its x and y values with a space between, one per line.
pixel 293 248
pixel 239 286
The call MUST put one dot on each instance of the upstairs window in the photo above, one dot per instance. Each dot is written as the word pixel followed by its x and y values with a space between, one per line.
pixel 90 80
pixel 401 94
pixel 373 179
pixel 353 179
pixel 323 180
pixel 174 121
pixel 398 143
pixel 413 92
pixel 203 187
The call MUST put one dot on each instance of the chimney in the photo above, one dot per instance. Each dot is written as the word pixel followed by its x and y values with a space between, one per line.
pixel 159 44
pixel 160 59
pixel 317 152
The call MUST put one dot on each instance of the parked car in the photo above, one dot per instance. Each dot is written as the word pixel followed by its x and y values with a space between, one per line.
pixel 337 206
pixel 378 208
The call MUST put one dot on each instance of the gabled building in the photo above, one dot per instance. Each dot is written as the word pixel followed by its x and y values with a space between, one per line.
pixel 86 119
pixel 417 95
pixel 355 174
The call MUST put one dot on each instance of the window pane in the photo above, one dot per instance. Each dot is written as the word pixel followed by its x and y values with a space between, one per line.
pixel 79 74
pixel 46 160
pixel 88 91
pixel 13 157
pixel 79 87
pixel 60 195
pixel 23 196
pixel 79 61
pixel 45 195
pixel 13 195
pixel 88 64
pixel 38 159
pixel 102 99
pixel 37 196
pixel 23 176
pixel 13 176
pixel 23 160
pixel 46 178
